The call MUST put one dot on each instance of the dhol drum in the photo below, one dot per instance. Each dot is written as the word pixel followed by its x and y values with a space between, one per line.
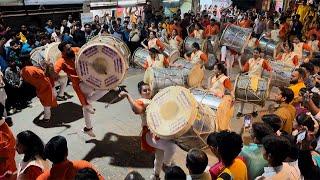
pixel 235 37
pixel 52 54
pixel 280 75
pixel 170 53
pixel 37 57
pixel 188 75
pixel 140 56
pixel 101 65
pixel 244 92
pixel 116 42
pixel 189 41
pixel 223 107
pixel 175 114
pixel 268 46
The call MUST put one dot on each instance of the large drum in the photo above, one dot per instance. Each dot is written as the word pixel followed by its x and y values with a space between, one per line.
pixel 189 41
pixel 280 75
pixel 188 75
pixel 244 92
pixel 170 53
pixel 52 54
pixel 175 114
pixel 235 37
pixel 269 47
pixel 101 65
pixel 140 56
pixel 37 57
pixel 223 107
pixel 116 42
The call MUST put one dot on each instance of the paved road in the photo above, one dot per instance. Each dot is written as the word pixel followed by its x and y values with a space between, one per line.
pixel 116 149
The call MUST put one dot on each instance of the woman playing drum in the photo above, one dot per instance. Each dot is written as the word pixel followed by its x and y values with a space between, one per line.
pixel 220 82
pixel 288 57
pixel 164 149
pixel 153 42
pixel 175 40
pixel 197 32
pixel 254 67
pixel 197 56
pixel 155 59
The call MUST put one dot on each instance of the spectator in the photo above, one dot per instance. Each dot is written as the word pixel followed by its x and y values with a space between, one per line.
pixel 286 111
pixel 196 163
pixel 252 153
pixel 174 173
pixel 56 36
pixel 134 175
pixel 79 36
pixel 33 163
pixel 66 36
pixel 275 151
pixel 64 23
pixel 49 28
pixel 8 167
pixel 273 121
pixel 88 32
pixel 87 174
pixel 56 150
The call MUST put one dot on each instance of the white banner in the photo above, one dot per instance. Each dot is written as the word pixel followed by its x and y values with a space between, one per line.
pixel 219 3
pixel 52 2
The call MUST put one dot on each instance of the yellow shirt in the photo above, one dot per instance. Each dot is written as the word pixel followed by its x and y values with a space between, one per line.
pixel 296 88
pixel 287 114
pixel 239 170
pixel 302 11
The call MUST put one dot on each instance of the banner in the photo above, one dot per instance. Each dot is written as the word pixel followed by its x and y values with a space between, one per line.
pixel 10 2
pixel 220 3
pixel 52 2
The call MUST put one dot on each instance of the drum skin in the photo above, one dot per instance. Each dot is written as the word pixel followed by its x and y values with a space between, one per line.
pixel 37 57
pixel 100 65
pixel 116 42
pixel 236 38
pixel 52 54
pixel 244 93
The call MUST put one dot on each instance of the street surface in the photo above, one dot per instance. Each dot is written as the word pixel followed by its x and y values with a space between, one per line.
pixel 116 149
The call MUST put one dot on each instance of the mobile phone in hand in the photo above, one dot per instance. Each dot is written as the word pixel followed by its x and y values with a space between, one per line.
pixel 247 121
pixel 301 136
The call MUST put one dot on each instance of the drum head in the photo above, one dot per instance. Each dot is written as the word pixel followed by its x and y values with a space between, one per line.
pixel 196 75
pixel 52 52
pixel 37 56
pixel 171 112
pixel 101 66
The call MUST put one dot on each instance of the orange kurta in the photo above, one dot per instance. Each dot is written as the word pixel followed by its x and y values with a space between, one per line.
pixel 43 84
pixel 7 151
pixel 65 170
pixel 245 23
pixel 68 66
pixel 211 30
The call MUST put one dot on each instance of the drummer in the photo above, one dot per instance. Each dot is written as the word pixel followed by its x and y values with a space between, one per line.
pixel 220 82
pixel 43 84
pixel 299 47
pixel 175 41
pixel 197 33
pixel 153 42
pixel 163 149
pixel 254 67
pixel 85 94
pixel 289 57
pixel 197 56
pixel 155 59
pixel 212 29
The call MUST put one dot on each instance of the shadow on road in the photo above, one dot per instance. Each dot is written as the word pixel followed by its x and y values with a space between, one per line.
pixel 124 151
pixel 62 115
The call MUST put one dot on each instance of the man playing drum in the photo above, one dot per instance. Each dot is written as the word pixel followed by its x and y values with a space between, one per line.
pixel 254 67
pixel 85 93
pixel 197 32
pixel 164 149
pixel 212 29
pixel 220 82
pixel 288 57
pixel 43 84
pixel 197 56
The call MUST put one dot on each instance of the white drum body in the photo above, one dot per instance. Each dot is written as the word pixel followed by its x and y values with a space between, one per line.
pixel 172 54
pixel 280 75
pixel 140 56
pixel 52 54
pixel 37 57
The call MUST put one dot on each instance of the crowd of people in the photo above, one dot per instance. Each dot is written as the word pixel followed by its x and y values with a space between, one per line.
pixel 282 145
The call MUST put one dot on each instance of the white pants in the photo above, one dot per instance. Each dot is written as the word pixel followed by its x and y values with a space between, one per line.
pixel 46 112
pixel 228 58
pixel 91 95
pixel 62 81
pixel 165 150
pixel 3 98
